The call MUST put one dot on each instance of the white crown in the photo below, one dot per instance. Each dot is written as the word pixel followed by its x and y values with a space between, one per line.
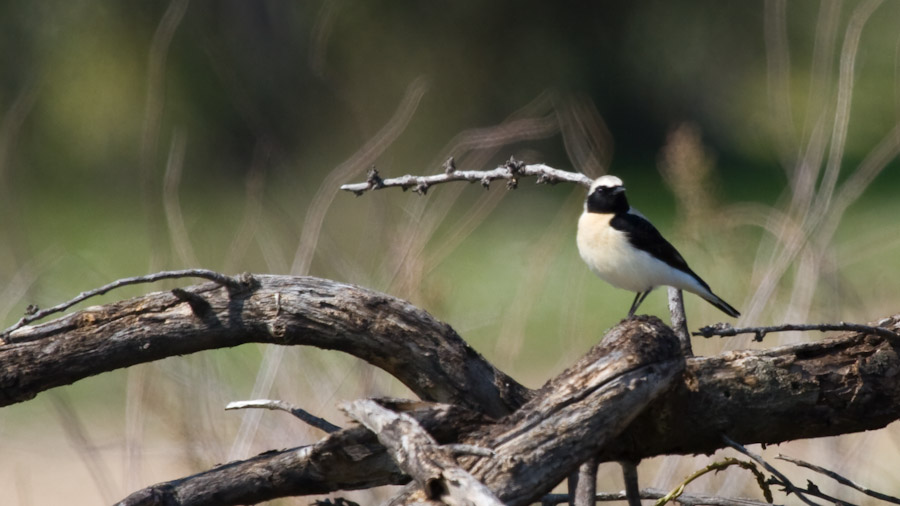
pixel 607 182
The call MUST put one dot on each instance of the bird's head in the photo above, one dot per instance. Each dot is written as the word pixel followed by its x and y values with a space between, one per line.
pixel 607 195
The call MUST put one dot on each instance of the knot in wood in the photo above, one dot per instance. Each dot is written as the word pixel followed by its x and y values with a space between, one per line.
pixel 278 329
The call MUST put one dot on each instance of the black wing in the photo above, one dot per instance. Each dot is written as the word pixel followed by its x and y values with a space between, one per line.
pixel 644 236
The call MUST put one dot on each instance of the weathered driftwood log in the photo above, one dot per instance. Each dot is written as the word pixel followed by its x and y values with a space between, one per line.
pixel 568 420
pixel 764 396
pixel 426 355
pixel 839 385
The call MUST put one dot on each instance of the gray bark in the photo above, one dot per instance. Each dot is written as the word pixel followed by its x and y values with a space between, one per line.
pixel 348 459
pixel 845 384
pixel 578 413
pixel 282 310
pixel 414 450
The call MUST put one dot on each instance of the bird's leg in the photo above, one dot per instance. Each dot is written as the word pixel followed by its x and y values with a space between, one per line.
pixel 638 299
pixel 635 304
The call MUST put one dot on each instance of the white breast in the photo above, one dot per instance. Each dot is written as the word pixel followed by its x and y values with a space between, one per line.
pixel 610 256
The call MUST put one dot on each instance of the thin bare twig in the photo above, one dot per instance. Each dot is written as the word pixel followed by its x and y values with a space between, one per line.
pixel 814 490
pixel 511 171
pixel 34 314
pixel 311 419
pixel 786 483
pixel 840 479
pixel 652 493
pixel 726 330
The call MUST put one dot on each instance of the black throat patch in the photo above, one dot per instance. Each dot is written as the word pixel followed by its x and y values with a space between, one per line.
pixel 606 200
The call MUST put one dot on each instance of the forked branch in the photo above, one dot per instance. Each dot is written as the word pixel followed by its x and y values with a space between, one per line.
pixel 841 479
pixel 420 456
pixel 833 386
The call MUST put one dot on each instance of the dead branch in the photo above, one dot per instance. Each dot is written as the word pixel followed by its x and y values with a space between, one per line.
pixel 510 172
pixel 570 417
pixel 834 386
pixel 575 415
pixel 420 456
pixel 781 478
pixel 298 412
pixel 579 412
pixel 679 320
pixel 656 494
pixel 726 330
pixel 794 383
pixel 34 314
pixel 349 459
pixel 584 483
pixel 838 385
pixel 841 479
pixel 407 342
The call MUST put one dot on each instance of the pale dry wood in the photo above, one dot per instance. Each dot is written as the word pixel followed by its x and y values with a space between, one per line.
pixel 586 484
pixel 575 415
pixel 348 459
pixel 420 456
pixel 300 413
pixel 757 396
pixel 511 171
pixel 839 385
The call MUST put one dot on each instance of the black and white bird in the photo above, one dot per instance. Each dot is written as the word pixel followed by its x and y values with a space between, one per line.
pixel 625 249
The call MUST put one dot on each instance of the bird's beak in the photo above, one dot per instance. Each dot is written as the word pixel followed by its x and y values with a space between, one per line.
pixel 620 189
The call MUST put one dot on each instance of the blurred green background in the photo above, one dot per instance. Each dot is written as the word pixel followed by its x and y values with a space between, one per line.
pixel 139 136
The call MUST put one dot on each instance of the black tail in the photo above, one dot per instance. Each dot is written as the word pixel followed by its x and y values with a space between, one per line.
pixel 722 305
